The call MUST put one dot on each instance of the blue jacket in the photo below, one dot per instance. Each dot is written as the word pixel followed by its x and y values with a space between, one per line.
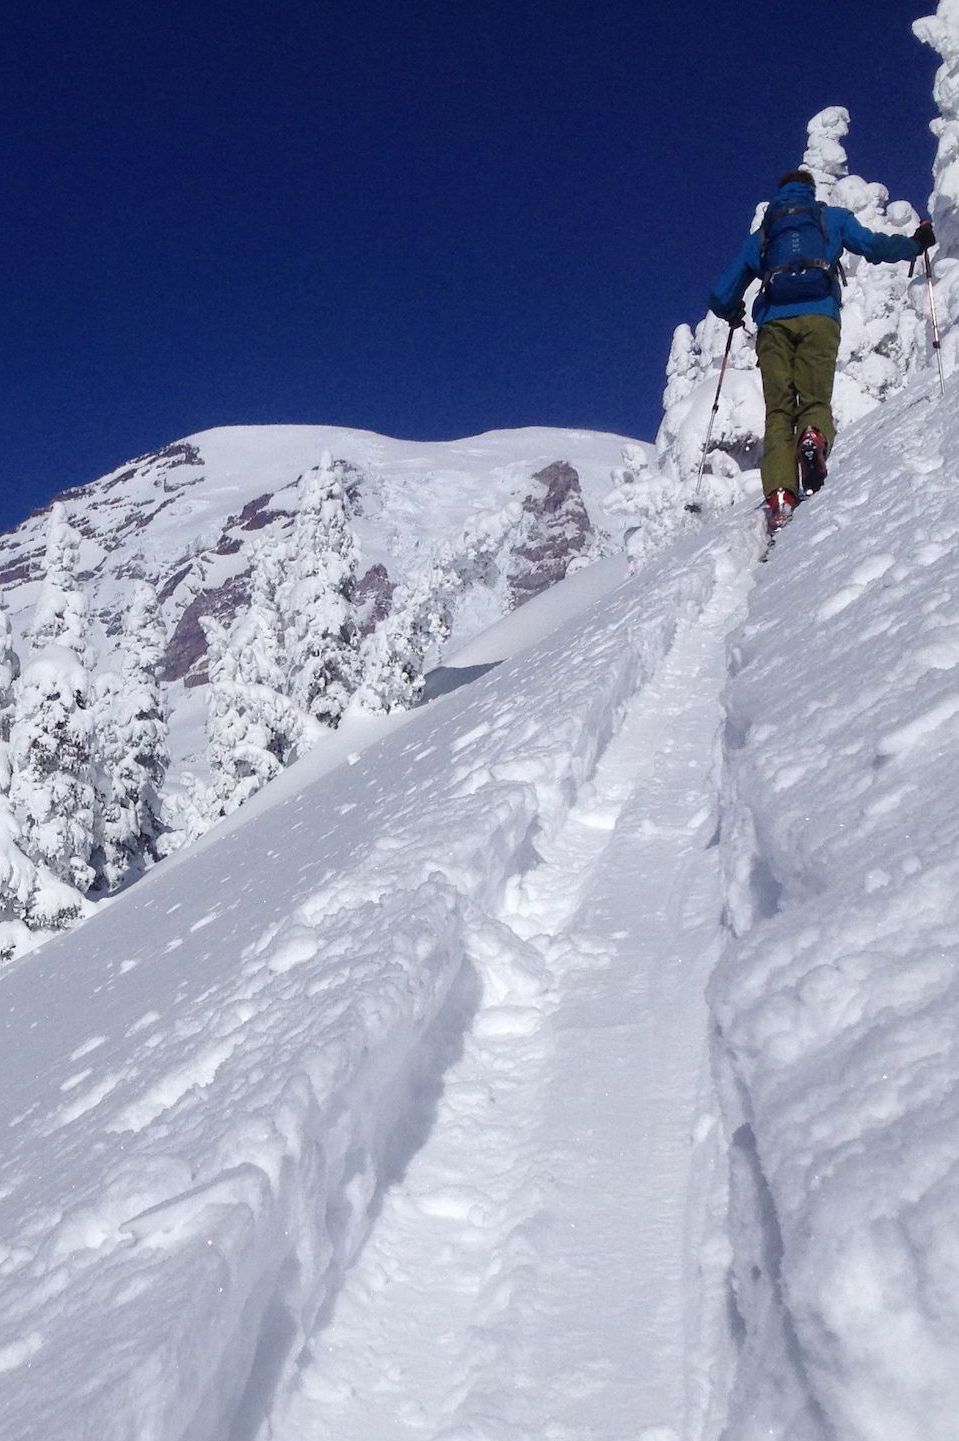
pixel 843 232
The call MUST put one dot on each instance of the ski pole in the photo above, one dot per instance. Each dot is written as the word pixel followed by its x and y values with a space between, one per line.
pixel 936 345
pixel 693 506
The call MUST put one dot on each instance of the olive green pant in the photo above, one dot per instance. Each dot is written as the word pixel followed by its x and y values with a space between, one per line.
pixel 797 358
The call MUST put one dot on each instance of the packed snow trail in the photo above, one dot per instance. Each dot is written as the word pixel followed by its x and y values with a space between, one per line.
pixel 211 1090
pixel 530 1274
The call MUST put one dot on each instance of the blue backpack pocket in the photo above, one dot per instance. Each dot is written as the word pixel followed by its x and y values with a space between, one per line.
pixel 796 266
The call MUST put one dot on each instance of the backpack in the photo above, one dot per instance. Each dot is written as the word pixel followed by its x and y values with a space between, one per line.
pixel 793 253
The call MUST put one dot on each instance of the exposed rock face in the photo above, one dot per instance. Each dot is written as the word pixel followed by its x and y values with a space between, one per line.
pixel 258 513
pixel 187 646
pixel 555 528
pixel 374 597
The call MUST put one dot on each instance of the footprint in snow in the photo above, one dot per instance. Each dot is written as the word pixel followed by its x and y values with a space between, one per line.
pixel 865 574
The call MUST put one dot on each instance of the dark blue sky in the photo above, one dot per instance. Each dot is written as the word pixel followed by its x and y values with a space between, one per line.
pixel 425 217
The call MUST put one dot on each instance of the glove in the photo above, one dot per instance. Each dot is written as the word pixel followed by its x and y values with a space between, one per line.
pixel 924 236
pixel 734 318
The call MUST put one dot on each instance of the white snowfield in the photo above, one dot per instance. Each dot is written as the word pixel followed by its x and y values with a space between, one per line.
pixel 387 1110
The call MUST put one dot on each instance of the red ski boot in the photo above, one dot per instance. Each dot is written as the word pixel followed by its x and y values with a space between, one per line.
pixel 780 505
pixel 811 455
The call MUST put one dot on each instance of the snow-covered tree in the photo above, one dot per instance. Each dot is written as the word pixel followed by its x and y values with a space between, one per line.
pixel 31 897
pixel 132 750
pixel 395 656
pixel 643 501
pixel 825 157
pixel 322 641
pixel 186 813
pixel 881 340
pixel 692 371
pixel 60 617
pixel 941 31
pixel 18 876
pixel 474 556
pixel 51 734
pixel 262 655
pixel 50 752
pixel 252 728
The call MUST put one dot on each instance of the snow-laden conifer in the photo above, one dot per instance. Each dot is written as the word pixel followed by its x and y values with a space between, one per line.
pixel 395 657
pixel 881 344
pixel 132 751
pixel 31 897
pixel 322 641
pixel 9 675
pixel 60 617
pixel 472 557
pixel 186 813
pixel 18 875
pixel 51 734
pixel 253 729
pixel 50 751
pixel 941 31
pixel 260 658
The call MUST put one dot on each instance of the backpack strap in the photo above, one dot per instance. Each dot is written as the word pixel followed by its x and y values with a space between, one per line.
pixel 837 266
pixel 806 265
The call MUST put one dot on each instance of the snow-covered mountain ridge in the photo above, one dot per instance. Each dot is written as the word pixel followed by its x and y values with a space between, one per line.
pixel 186 518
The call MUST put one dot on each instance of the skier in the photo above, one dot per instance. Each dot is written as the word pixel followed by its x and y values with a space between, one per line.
pixel 797 253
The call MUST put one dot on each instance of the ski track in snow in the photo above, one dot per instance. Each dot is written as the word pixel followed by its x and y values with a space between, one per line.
pixel 474 1308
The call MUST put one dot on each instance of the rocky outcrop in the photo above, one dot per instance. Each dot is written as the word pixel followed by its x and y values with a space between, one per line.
pixel 186 650
pixel 373 597
pixel 555 528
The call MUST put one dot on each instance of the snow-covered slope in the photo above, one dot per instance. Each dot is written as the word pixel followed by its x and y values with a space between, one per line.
pixel 210 1089
pixel 386 1110
pixel 838 1002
